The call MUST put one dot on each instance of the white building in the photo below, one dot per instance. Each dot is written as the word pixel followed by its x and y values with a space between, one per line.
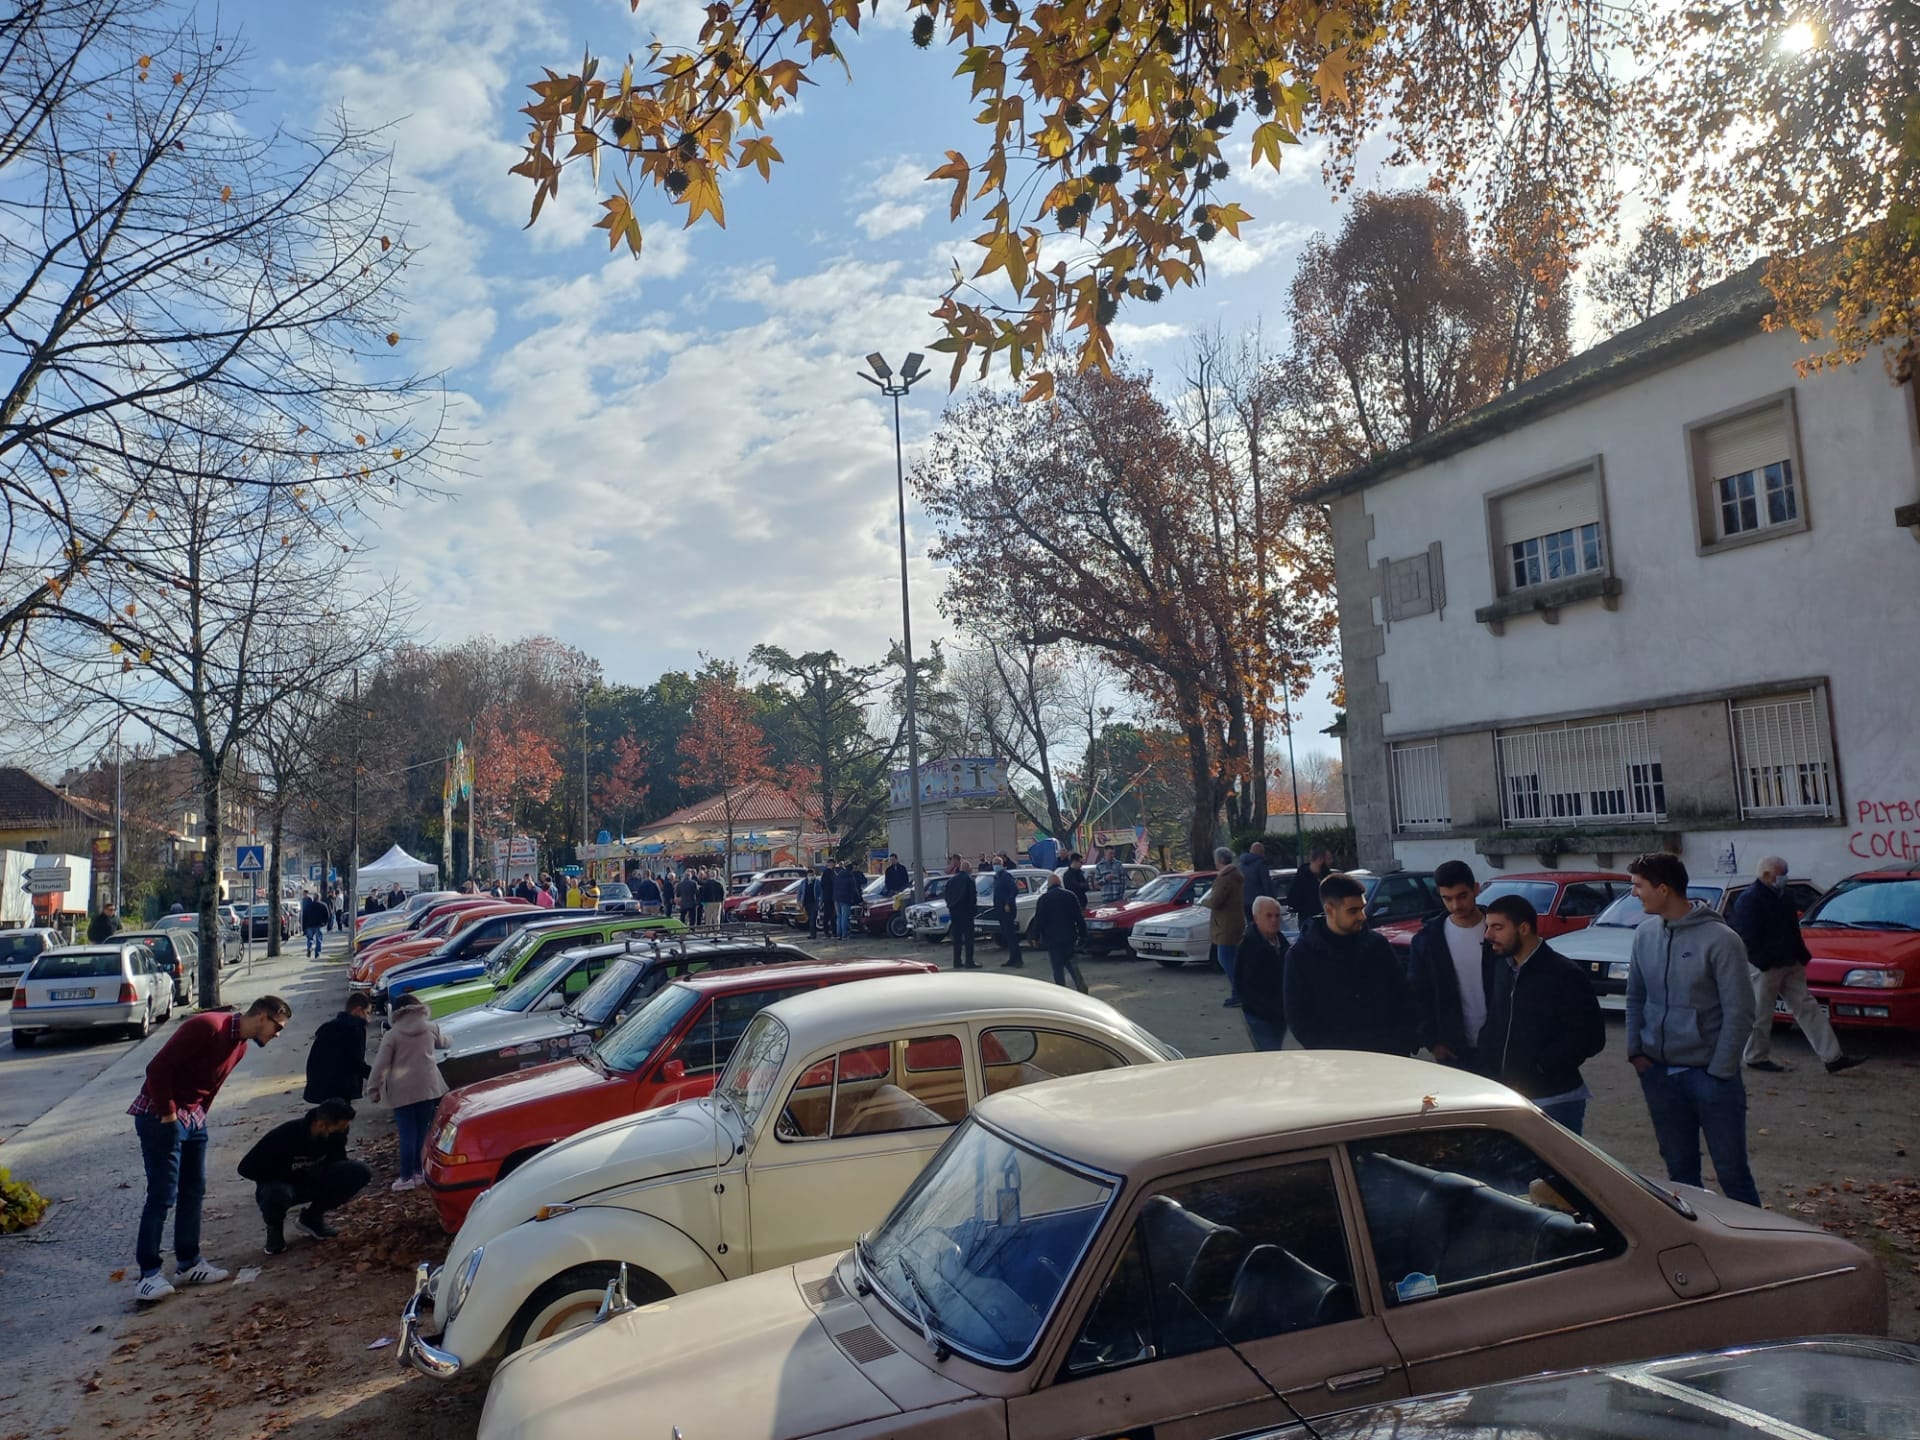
pixel 1666 596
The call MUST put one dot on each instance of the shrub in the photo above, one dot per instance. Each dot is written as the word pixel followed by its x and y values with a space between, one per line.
pixel 21 1206
pixel 1339 839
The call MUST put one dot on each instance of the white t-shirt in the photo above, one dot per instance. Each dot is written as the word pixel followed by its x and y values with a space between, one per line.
pixel 1463 943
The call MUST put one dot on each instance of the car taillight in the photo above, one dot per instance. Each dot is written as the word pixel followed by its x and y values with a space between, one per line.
pixel 20 997
pixel 127 997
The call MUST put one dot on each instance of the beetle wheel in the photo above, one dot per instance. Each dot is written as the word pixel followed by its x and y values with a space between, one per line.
pixel 572 1298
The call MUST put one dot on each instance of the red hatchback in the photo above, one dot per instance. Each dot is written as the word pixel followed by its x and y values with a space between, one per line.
pixel 1864 936
pixel 1109 927
pixel 1566 900
pixel 671 1049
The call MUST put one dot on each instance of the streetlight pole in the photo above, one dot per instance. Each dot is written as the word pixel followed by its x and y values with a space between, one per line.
pixel 894 386
pixel 353 857
pixel 1293 770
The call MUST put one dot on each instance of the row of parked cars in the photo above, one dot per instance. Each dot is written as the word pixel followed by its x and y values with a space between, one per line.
pixel 765 1194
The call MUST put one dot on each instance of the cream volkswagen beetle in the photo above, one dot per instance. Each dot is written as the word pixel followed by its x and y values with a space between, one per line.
pixel 1077 1257
pixel 826 1111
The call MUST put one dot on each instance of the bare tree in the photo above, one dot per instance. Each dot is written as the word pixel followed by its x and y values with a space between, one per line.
pixel 1660 269
pixel 162 267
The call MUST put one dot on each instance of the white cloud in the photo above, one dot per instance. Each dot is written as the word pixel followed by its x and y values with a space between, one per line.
pixel 890 217
pixel 1260 244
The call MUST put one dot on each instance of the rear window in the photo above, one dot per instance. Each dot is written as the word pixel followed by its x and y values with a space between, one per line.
pixel 89 965
pixel 1537 893
pixel 18 949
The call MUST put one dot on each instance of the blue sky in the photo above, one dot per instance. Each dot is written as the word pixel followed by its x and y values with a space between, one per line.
pixel 674 455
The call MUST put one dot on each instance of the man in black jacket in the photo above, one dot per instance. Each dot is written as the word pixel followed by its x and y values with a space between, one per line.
pixel 1344 988
pixel 1006 910
pixel 313 923
pixel 963 904
pixel 1062 925
pixel 304 1162
pixel 897 878
pixel 1075 880
pixel 1260 972
pixel 1303 891
pixel 1765 919
pixel 1543 1019
pixel 1451 969
pixel 337 1066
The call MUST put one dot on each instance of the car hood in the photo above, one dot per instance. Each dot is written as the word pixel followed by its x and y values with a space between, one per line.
pixel 562 1083
pixel 1178 919
pixel 485 1029
pixel 747 1358
pixel 1129 912
pixel 1738 1216
pixel 1596 942
pixel 1875 947
pixel 440 972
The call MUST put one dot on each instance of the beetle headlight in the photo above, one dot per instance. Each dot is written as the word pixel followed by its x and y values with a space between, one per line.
pixel 463 1282
pixel 1875 979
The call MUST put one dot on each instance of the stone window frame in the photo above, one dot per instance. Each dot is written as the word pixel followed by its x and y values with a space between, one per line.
pixel 1703 506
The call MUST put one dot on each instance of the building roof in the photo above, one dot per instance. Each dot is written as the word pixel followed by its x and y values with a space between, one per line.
pixel 1170 1110
pixel 1717 316
pixel 27 802
pixel 756 801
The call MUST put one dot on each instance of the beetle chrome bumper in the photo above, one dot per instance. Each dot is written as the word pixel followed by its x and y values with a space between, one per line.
pixel 414 1349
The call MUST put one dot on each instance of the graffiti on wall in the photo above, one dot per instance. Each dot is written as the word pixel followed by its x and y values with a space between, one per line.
pixel 1886 830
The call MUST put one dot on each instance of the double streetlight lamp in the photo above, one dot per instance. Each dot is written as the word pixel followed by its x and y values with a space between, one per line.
pixel 894 386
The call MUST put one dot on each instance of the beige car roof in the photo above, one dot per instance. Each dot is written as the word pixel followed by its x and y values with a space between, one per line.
pixel 1121 1121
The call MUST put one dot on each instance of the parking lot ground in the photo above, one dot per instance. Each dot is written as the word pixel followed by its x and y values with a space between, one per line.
pixel 296 1351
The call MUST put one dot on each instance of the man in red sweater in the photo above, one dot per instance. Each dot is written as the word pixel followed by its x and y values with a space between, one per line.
pixel 170 1117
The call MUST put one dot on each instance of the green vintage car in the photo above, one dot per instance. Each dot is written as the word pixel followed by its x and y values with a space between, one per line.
pixel 521 954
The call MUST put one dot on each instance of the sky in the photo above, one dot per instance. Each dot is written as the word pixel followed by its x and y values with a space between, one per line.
pixel 674 456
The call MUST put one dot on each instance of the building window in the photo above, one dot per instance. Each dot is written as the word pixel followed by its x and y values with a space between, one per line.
pixel 1782 756
pixel 1550 531
pixel 1419 787
pixel 1746 475
pixel 1569 774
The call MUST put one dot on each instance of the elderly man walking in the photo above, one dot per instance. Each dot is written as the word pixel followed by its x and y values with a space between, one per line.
pixel 1766 921
pixel 1261 970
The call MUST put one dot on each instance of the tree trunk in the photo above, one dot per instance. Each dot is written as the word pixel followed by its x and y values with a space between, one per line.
pixel 1257 774
pixel 1204 823
pixel 207 892
pixel 273 885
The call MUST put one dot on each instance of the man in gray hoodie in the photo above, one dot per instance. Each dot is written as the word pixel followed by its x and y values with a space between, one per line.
pixel 1689 1012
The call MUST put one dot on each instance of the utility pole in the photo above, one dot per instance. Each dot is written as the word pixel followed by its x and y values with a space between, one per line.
pixel 353 858
pixel 119 856
pixel 586 831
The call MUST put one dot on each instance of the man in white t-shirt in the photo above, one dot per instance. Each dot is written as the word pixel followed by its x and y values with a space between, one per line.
pixel 1451 970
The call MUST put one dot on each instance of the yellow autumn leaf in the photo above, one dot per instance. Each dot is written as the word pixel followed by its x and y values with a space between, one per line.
pixel 146 656
pixel 144 61
pixel 393 337
pixel 703 193
pixel 1331 77
pixel 757 151
pixel 114 647
pixel 396 455
pixel 1040 389
pixel 226 194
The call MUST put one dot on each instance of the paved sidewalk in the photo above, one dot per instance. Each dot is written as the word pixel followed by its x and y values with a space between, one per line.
pixel 61 1309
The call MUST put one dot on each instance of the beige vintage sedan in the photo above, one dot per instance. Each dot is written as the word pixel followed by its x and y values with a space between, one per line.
pixel 1075 1258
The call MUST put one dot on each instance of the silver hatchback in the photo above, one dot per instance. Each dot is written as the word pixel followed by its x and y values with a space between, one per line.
pixel 116 986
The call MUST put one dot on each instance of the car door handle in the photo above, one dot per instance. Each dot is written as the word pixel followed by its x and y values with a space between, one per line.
pixel 1354 1379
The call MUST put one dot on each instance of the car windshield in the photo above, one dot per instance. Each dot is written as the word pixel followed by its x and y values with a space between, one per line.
pixel 608 993
pixel 751 1070
pixel 529 988
pixel 1871 904
pixel 87 965
pixel 614 890
pixel 1626 911
pixel 508 952
pixel 1537 893
pixel 1160 888
pixel 876 890
pixel 257 911
pixel 980 1248
pixel 18 949
pixel 642 1033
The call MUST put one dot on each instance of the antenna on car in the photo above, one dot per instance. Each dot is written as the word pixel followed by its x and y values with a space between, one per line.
pixel 1207 1320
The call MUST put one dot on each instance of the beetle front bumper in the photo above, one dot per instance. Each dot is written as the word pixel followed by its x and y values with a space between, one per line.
pixel 415 1350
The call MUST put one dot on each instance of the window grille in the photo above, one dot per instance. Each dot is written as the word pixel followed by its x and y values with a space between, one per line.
pixel 1568 774
pixel 1419 786
pixel 1782 756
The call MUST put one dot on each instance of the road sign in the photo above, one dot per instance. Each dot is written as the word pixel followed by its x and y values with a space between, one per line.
pixel 313 872
pixel 250 859
pixel 48 880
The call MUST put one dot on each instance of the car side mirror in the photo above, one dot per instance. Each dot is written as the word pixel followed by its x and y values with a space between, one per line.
pixel 673 1072
pixel 553 1001
pixel 1376 910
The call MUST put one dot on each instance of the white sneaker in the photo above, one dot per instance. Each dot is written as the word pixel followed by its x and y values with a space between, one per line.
pixel 401 1185
pixel 204 1272
pixel 151 1289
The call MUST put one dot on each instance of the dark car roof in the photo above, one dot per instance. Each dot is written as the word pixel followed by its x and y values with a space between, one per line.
pixel 1836 1388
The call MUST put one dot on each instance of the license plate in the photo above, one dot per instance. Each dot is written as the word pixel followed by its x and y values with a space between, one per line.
pixel 1780 1007
pixel 73 994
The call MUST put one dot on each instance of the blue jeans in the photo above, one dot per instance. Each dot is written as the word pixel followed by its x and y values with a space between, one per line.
pixel 1010 936
pixel 176 1163
pixel 413 1121
pixel 1226 955
pixel 1685 1106
pixel 1570 1113
pixel 314 939
pixel 1065 971
pixel 1263 1035
pixel 843 911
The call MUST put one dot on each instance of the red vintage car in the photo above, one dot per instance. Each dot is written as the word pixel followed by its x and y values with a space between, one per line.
pixel 1864 936
pixel 1109 927
pixel 1566 900
pixel 671 1049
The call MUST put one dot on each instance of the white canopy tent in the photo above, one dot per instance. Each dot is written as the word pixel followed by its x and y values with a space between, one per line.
pixel 397 867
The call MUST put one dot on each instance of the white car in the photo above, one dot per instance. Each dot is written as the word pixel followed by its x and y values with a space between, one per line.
pixel 930 921
pixel 1604 948
pixel 19 949
pixel 90 987
pixel 829 1106
pixel 1177 938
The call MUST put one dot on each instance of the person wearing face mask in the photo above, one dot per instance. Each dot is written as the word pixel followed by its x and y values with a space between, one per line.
pixel 1764 918
pixel 1344 987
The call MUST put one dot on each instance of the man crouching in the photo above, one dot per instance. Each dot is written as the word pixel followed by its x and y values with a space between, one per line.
pixel 304 1162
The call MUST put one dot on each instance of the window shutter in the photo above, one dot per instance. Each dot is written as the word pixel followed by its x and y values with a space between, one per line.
pixel 1746 442
pixel 1559 504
